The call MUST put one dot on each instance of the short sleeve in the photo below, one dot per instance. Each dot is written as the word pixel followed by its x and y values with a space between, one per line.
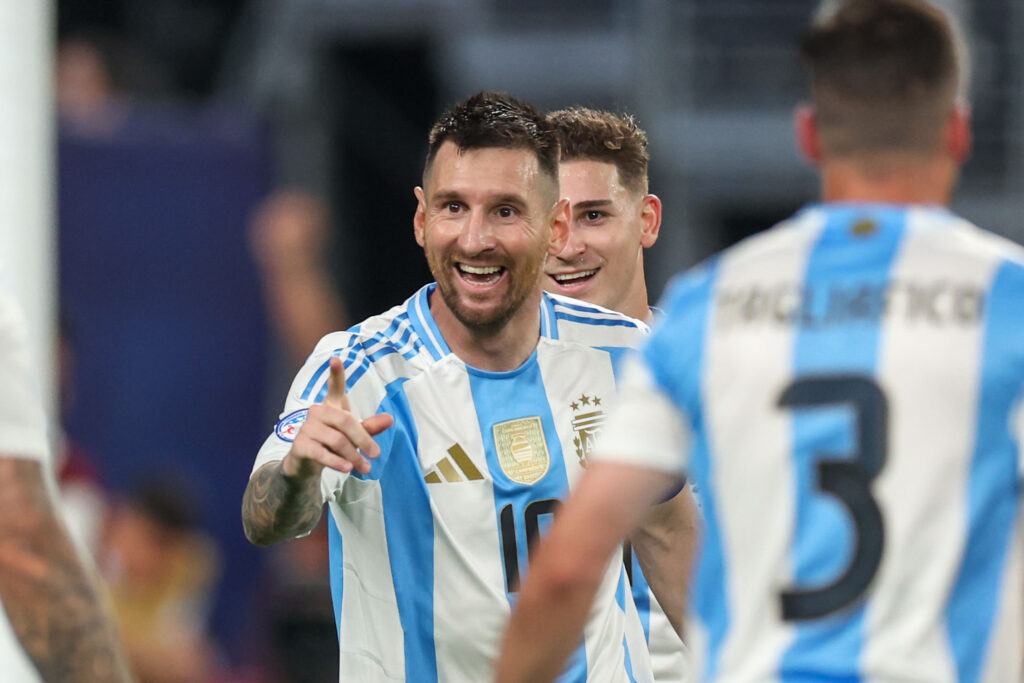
pixel 22 421
pixel 645 428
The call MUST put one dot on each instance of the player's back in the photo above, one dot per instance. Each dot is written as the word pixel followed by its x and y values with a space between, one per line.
pixel 857 410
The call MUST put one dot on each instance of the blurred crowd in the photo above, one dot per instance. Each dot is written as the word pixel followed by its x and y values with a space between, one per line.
pixel 151 533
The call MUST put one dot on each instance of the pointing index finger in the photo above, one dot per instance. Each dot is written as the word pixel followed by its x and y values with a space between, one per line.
pixel 336 385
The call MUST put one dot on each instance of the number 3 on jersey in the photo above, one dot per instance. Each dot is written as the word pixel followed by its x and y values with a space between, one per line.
pixel 849 480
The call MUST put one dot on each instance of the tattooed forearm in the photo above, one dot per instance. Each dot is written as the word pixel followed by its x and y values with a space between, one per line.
pixel 49 596
pixel 276 508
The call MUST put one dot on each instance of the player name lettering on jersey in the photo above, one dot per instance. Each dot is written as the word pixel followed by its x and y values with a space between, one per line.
pixel 942 302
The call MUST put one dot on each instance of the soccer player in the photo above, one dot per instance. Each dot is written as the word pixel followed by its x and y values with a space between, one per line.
pixel 441 433
pixel 52 624
pixel 613 218
pixel 853 416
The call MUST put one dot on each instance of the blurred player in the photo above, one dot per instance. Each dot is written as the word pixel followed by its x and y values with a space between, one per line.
pixel 853 417
pixel 49 608
pixel 474 389
pixel 613 218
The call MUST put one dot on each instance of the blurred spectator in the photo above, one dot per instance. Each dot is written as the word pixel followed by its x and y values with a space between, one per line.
pixel 162 570
pixel 288 236
pixel 83 498
pixel 90 100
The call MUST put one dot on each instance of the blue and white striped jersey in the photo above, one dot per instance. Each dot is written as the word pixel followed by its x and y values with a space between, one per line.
pixel 428 550
pixel 852 416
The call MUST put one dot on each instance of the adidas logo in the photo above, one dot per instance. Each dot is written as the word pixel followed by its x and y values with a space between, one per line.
pixel 448 469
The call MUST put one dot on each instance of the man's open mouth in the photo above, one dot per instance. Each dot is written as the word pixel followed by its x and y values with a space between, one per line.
pixel 577 278
pixel 481 276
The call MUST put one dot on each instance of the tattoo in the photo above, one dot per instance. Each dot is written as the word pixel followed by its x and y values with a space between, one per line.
pixel 276 508
pixel 49 596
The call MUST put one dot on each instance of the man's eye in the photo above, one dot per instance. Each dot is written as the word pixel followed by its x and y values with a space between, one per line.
pixel 453 207
pixel 593 215
pixel 506 212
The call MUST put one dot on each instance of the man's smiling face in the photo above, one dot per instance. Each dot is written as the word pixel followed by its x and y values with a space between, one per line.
pixel 483 221
pixel 602 258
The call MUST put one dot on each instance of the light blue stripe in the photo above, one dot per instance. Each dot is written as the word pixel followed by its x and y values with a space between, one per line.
pixel 993 491
pixel 352 340
pixel 825 539
pixel 336 555
pixel 607 322
pixel 502 396
pixel 675 355
pixel 409 527
pixel 629 661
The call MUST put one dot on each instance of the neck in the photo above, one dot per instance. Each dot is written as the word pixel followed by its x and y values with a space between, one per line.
pixel 635 304
pixel 895 179
pixel 494 350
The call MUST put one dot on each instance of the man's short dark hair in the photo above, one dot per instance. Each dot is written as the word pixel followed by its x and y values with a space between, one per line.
pixel 496 120
pixel 591 135
pixel 884 76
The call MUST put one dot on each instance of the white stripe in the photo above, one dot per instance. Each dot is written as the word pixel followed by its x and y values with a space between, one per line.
pixel 426 326
pixel 370 637
pixel 929 372
pixel 468 576
pixel 753 477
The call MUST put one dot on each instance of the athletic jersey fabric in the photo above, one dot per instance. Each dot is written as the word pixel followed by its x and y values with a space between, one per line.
pixel 852 417
pixel 428 550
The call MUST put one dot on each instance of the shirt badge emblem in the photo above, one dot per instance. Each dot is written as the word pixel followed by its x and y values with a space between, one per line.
pixel 522 449
pixel 588 418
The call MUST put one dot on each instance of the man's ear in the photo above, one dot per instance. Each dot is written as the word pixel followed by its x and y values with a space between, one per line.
pixel 559 221
pixel 958 137
pixel 650 216
pixel 808 140
pixel 420 217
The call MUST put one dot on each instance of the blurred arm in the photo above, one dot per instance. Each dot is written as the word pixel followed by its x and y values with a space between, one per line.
pixel 49 596
pixel 287 235
pixel 665 545
pixel 547 621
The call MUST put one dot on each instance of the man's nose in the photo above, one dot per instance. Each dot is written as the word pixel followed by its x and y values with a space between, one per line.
pixel 477 233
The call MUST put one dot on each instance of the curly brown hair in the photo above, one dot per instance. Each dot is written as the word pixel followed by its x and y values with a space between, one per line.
pixel 589 134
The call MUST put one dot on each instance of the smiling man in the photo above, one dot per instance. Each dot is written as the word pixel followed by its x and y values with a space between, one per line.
pixel 443 433
pixel 603 172
pixel 613 218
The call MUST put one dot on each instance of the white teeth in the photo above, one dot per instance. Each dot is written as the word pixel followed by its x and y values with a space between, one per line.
pixel 479 270
pixel 569 277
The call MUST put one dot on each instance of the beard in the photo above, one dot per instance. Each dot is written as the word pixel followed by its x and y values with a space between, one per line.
pixel 523 279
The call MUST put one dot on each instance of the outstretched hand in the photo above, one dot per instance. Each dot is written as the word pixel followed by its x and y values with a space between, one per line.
pixel 332 436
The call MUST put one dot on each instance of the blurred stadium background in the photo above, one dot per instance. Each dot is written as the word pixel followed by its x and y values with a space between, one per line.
pixel 172 120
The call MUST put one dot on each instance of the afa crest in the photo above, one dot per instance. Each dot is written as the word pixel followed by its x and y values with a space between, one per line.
pixel 588 418
pixel 522 449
